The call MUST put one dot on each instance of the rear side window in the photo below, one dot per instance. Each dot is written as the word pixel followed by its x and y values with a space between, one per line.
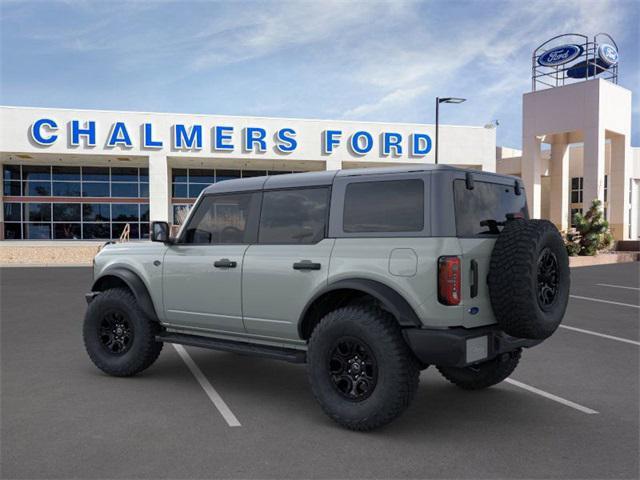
pixel 295 216
pixel 482 210
pixel 221 219
pixel 384 206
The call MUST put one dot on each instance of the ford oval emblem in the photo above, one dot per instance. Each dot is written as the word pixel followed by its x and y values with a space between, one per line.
pixel 608 54
pixel 560 55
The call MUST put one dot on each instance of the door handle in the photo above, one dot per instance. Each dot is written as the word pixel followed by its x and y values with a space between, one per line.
pixel 225 263
pixel 474 278
pixel 306 265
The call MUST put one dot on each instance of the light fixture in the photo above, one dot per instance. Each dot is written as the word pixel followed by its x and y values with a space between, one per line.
pixel 440 100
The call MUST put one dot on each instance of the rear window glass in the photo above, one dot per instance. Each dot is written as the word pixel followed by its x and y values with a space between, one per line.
pixel 483 210
pixel 385 206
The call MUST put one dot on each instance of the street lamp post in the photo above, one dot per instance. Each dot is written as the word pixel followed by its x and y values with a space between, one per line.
pixel 438 102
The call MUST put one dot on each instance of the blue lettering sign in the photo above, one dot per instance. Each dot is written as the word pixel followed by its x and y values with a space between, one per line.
pixel 255 136
pixel 221 137
pixel 357 146
pixel 186 139
pixel 37 134
pixel 286 140
pixel 391 140
pixel 331 139
pixel 119 136
pixel 420 144
pixel 147 137
pixel 89 131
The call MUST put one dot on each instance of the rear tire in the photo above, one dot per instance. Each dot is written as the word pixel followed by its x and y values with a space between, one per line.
pixel 118 337
pixel 483 375
pixel 361 371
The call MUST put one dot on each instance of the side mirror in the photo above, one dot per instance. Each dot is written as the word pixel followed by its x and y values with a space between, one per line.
pixel 160 232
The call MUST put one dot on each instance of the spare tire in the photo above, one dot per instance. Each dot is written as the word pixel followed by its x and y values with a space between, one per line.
pixel 529 279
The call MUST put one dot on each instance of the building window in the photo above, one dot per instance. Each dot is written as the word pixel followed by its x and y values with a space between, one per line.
pixel 576 189
pixel 63 181
pixel 64 214
pixel 74 221
pixel 573 212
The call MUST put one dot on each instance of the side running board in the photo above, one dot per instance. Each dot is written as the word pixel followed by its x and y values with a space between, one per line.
pixel 278 353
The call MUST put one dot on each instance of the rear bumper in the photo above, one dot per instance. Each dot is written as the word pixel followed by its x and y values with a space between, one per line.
pixel 460 347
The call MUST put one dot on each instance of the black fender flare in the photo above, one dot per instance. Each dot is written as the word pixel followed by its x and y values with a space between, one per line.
pixel 135 284
pixel 390 299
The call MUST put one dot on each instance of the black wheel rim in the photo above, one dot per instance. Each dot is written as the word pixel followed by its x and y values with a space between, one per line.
pixel 547 278
pixel 116 332
pixel 353 369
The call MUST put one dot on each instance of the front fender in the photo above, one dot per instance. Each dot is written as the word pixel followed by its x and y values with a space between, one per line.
pixel 111 275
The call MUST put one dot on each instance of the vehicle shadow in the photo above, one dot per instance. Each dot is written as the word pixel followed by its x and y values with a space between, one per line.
pixel 267 388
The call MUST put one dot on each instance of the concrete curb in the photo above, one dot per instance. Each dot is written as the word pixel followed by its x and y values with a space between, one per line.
pixel 604 259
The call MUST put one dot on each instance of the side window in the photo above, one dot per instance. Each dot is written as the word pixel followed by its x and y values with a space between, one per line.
pixel 384 206
pixel 223 219
pixel 296 216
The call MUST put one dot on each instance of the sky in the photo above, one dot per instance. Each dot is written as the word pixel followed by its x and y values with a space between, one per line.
pixel 367 60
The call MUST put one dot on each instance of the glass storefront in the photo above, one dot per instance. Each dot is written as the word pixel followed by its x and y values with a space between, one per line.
pixel 77 202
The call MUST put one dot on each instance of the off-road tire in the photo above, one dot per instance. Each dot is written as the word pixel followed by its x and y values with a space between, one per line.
pixel 484 374
pixel 397 369
pixel 143 349
pixel 514 279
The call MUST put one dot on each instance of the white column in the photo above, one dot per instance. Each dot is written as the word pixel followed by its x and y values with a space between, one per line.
pixel 618 188
pixel 333 164
pixel 593 166
pixel 531 171
pixel 559 201
pixel 159 188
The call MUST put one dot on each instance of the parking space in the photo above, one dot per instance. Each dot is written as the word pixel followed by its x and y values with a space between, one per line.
pixel 62 418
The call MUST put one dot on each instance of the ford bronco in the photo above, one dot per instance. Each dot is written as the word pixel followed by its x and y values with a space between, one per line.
pixel 367 276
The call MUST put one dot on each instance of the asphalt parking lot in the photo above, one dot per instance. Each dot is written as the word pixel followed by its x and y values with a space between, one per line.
pixel 571 412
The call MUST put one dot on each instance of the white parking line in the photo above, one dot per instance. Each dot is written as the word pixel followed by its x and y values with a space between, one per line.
pixel 551 396
pixel 610 337
pixel 605 301
pixel 616 286
pixel 211 392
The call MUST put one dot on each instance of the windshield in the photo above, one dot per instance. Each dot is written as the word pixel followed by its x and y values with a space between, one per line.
pixel 484 209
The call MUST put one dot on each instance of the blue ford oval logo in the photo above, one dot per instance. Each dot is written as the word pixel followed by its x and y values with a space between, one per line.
pixel 560 55
pixel 608 54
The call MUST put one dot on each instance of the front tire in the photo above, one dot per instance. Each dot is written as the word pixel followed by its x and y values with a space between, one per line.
pixel 361 371
pixel 118 337
pixel 483 375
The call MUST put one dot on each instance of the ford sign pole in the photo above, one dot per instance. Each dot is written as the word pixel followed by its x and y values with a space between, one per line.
pixel 438 102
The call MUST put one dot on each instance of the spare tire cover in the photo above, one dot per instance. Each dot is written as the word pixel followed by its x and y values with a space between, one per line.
pixel 529 279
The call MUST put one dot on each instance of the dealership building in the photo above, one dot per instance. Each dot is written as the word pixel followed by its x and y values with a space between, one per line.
pixel 90 175
pixel 85 174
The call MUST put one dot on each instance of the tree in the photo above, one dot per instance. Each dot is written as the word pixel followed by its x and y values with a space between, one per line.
pixel 591 233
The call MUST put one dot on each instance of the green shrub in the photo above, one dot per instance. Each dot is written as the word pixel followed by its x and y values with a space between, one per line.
pixel 591 234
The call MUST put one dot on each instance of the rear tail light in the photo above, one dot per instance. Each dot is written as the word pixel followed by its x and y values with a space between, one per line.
pixel 449 280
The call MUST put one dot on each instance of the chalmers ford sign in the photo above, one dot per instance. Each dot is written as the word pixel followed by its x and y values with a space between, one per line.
pixel 221 138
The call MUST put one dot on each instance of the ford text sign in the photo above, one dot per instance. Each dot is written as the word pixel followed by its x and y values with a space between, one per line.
pixel 560 55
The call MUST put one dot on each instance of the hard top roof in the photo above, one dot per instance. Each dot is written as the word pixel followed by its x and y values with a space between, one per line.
pixel 314 179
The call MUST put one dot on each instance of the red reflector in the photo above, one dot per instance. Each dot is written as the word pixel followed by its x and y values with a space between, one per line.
pixel 449 280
